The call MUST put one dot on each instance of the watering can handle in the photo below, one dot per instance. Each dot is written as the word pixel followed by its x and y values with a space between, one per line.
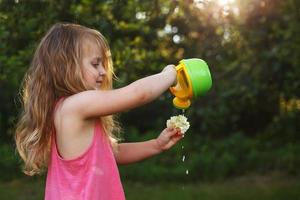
pixel 179 67
pixel 181 89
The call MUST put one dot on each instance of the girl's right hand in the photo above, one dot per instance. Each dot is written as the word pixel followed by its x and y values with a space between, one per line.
pixel 168 137
pixel 172 70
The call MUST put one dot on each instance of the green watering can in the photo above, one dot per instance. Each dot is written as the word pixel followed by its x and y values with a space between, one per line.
pixel 193 80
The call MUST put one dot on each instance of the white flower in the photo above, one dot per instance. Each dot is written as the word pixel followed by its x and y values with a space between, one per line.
pixel 179 121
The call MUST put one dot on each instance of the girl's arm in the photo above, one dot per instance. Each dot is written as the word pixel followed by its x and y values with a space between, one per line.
pixel 95 103
pixel 133 152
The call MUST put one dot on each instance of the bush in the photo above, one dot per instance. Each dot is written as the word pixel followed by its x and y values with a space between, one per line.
pixel 210 159
pixel 9 164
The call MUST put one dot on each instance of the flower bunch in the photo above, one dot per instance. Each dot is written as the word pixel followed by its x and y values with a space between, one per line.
pixel 179 121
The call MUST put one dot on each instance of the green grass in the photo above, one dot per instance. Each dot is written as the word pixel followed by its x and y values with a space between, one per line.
pixel 246 188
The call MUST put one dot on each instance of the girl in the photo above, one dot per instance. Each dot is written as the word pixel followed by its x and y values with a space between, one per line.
pixel 67 124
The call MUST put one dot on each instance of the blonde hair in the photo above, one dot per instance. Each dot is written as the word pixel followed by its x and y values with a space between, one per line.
pixel 55 72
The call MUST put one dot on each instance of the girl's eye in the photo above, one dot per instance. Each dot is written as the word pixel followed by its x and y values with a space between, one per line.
pixel 95 65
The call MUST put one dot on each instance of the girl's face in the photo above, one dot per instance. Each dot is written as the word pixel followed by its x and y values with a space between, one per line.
pixel 93 69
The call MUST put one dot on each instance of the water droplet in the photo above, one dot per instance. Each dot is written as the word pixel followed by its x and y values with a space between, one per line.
pixel 183 111
pixel 183 158
pixel 187 172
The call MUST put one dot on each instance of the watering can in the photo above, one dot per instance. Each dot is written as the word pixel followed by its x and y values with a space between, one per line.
pixel 193 80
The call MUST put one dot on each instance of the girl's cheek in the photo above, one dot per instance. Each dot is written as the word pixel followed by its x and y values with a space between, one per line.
pixel 92 72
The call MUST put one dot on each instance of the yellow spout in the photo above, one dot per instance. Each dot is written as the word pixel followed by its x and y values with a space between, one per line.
pixel 183 89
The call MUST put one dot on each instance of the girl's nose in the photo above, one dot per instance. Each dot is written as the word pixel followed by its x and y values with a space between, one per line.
pixel 102 71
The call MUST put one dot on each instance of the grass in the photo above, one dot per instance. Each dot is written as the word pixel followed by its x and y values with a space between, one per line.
pixel 246 188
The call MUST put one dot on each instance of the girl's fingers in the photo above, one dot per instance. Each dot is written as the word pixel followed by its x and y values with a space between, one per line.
pixel 174 140
pixel 170 128
pixel 171 132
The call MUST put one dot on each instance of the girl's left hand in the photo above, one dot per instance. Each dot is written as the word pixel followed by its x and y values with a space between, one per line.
pixel 168 137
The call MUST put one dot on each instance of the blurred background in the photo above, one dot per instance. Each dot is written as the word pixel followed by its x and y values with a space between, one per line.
pixel 244 140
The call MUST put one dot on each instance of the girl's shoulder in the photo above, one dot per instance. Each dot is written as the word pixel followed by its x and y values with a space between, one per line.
pixel 73 134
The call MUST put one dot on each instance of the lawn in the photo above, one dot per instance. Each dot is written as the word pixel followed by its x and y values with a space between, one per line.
pixel 245 188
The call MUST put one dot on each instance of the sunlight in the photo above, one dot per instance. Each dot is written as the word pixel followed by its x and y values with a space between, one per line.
pixel 221 3
pixel 226 6
pixel 225 2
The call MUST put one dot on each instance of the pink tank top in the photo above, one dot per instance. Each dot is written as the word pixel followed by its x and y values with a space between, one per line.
pixel 93 175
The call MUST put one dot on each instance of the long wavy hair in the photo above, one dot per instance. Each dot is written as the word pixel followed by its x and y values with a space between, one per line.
pixel 55 72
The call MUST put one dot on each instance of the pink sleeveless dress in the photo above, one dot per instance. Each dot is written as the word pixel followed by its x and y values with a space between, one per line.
pixel 93 175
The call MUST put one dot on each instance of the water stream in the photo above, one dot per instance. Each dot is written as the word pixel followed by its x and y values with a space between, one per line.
pixel 184 155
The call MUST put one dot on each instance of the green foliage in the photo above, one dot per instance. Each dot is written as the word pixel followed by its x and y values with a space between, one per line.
pixel 8 163
pixel 253 57
pixel 210 159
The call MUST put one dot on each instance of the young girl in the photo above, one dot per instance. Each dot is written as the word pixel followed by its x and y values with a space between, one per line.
pixel 67 124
